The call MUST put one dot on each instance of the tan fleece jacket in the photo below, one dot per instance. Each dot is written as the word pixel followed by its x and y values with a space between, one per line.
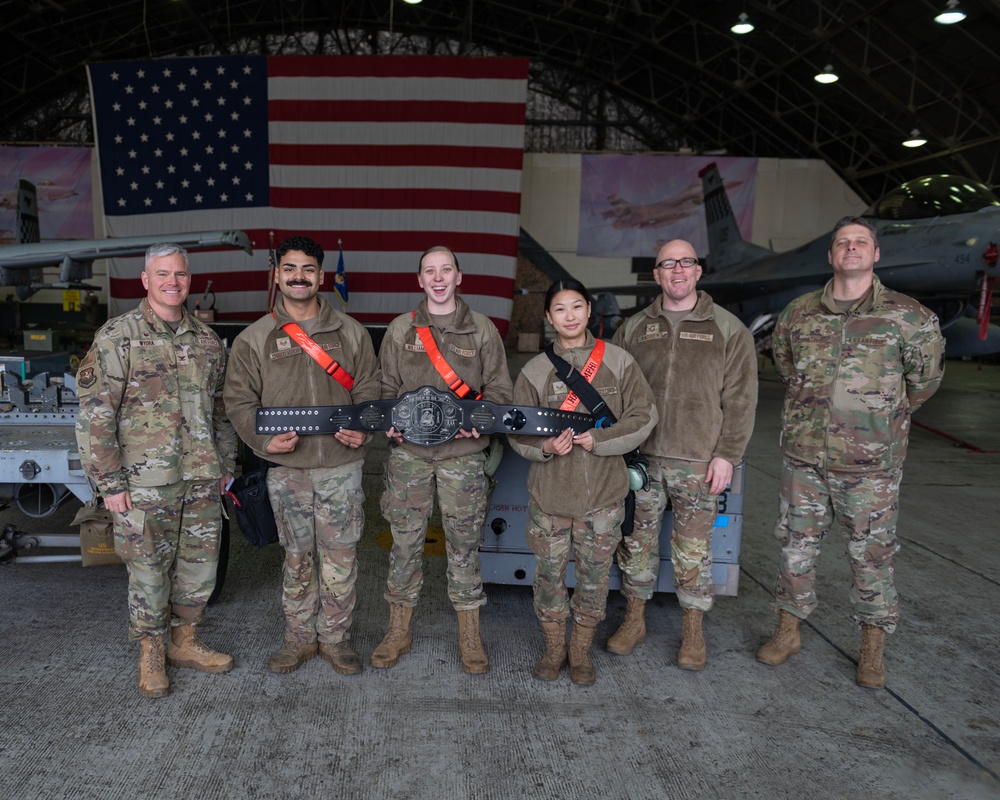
pixel 580 483
pixel 470 344
pixel 267 369
pixel 703 373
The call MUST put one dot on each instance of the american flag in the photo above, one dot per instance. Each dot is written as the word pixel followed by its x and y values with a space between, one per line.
pixel 390 154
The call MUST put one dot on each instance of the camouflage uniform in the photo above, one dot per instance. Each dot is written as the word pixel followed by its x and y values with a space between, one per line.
pixel 703 373
pixel 472 346
pixel 320 516
pixel 694 509
pixel 591 541
pixel 852 380
pixel 407 502
pixel 577 500
pixel 315 490
pixel 152 422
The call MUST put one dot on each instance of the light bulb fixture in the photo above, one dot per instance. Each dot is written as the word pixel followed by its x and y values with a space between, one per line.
pixel 413 2
pixel 742 25
pixel 827 75
pixel 915 140
pixel 951 14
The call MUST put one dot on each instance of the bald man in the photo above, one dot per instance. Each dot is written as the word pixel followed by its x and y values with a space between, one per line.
pixel 700 362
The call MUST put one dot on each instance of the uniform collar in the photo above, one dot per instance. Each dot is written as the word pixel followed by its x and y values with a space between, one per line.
pixel 703 309
pixel 870 299
pixel 328 318
pixel 157 323
pixel 462 322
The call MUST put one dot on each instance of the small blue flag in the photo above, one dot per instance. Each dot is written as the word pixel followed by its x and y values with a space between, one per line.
pixel 340 279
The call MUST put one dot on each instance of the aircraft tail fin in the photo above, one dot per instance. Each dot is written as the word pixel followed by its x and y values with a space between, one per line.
pixel 726 246
pixel 28 231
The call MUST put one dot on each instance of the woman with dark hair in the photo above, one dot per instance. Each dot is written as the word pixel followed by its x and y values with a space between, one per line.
pixel 578 481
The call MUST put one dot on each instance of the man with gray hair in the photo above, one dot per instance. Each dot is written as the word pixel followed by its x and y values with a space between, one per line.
pixel 154 438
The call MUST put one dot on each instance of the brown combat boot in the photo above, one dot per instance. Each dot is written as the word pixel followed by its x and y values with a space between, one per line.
pixel 581 671
pixel 470 643
pixel 693 653
pixel 871 668
pixel 554 657
pixel 341 657
pixel 186 650
pixel 632 632
pixel 397 641
pixel 784 643
pixel 152 673
pixel 291 656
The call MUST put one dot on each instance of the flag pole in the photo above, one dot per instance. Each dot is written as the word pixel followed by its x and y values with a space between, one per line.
pixel 272 271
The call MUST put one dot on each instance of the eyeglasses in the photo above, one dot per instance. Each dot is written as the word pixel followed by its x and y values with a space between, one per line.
pixel 670 263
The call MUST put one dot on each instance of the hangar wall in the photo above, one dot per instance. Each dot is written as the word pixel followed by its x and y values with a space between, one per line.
pixel 796 201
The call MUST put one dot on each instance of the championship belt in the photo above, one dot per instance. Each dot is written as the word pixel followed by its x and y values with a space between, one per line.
pixel 425 416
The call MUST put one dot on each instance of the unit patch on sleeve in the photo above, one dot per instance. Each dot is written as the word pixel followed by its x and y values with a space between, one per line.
pixel 86 377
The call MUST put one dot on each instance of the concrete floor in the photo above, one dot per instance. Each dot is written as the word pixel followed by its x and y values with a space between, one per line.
pixel 73 726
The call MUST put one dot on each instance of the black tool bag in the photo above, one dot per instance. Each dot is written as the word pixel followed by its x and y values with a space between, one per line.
pixel 253 507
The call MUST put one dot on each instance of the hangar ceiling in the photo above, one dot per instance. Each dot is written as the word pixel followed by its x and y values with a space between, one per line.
pixel 620 75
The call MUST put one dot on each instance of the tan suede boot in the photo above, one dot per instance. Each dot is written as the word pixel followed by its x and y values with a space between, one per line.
pixel 632 632
pixel 291 656
pixel 871 668
pixel 470 643
pixel 784 643
pixel 341 657
pixel 397 641
pixel 693 653
pixel 581 670
pixel 187 651
pixel 554 657
pixel 152 673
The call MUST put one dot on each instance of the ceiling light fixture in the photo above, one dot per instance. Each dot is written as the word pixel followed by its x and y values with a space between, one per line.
pixel 827 75
pixel 413 2
pixel 951 14
pixel 743 25
pixel 915 140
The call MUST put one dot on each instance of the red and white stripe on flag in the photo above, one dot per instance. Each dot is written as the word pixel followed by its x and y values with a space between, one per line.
pixel 389 154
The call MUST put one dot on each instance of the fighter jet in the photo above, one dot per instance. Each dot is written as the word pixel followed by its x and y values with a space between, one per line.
pixel 21 263
pixel 938 240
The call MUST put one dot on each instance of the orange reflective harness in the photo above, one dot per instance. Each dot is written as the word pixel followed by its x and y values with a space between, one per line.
pixel 456 384
pixel 603 416
pixel 588 372
pixel 319 355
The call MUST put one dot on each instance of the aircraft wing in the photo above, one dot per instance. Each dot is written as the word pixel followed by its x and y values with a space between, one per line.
pixel 806 267
pixel 84 251
pixel 21 264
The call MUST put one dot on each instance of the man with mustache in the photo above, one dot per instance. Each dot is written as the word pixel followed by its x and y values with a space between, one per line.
pixel 315 487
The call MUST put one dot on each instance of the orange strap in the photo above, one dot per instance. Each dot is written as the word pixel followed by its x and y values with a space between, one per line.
pixel 320 356
pixel 456 384
pixel 588 372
